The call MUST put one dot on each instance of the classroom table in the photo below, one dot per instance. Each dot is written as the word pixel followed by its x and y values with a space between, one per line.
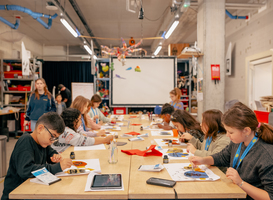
pixel 134 181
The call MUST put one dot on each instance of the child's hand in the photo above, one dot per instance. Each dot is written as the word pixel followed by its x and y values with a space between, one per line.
pixel 56 158
pixel 101 122
pixel 96 117
pixel 101 132
pixel 185 137
pixel 66 163
pixel 159 125
pixel 195 160
pixel 191 148
pixel 233 175
pixel 109 138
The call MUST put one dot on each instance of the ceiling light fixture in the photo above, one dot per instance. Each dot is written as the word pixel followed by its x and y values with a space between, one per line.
pixel 157 50
pixel 170 31
pixel 87 48
pixel 71 30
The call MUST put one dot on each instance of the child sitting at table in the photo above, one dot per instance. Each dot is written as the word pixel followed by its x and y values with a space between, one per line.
pixel 95 113
pixel 184 122
pixel 81 103
pixel 249 155
pixel 90 121
pixel 215 135
pixel 33 152
pixel 70 136
pixel 166 112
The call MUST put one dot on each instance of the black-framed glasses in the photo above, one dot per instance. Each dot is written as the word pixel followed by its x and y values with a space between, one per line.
pixel 52 136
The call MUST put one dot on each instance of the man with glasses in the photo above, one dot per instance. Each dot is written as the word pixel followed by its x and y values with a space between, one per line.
pixel 33 152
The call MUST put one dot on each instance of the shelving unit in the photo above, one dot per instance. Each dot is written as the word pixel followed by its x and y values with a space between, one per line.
pixel 105 81
pixel 21 80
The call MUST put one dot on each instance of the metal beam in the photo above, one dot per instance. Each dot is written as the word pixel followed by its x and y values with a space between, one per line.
pixel 83 20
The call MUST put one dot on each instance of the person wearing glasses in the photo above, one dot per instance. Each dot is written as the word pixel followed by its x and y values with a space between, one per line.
pixel 70 136
pixel 249 155
pixel 33 152
pixel 184 122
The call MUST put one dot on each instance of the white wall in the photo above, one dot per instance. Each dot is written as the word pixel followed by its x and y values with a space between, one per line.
pixel 7 47
pixel 248 38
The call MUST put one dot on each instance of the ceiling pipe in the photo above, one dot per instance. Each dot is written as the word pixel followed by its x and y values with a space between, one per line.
pixel 235 16
pixel 243 6
pixel 83 20
pixel 34 15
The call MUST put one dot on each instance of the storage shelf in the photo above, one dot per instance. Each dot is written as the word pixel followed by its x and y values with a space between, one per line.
pixel 103 79
pixel 15 92
pixel 18 79
pixel 14 105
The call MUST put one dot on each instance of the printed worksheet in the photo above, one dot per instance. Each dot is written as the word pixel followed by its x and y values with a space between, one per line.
pixel 175 153
pixel 185 172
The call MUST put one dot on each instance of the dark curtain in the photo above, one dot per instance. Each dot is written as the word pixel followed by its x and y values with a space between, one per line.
pixel 66 72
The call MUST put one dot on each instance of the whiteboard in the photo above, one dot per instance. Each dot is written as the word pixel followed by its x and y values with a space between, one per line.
pixel 83 89
pixel 149 87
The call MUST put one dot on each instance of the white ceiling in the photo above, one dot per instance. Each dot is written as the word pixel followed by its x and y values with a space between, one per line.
pixel 107 19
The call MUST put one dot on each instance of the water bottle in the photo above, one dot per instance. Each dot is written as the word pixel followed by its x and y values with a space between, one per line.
pixel 113 152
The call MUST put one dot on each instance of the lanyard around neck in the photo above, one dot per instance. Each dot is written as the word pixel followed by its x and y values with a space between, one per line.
pixel 97 120
pixel 173 104
pixel 83 124
pixel 208 141
pixel 236 157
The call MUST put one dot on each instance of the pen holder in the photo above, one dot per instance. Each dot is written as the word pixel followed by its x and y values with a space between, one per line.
pixel 113 153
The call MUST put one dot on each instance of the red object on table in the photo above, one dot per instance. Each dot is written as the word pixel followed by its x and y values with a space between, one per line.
pixel 132 133
pixel 136 124
pixel 149 152
pixel 133 117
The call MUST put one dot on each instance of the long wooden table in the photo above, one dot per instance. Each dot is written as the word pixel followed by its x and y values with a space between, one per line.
pixel 134 181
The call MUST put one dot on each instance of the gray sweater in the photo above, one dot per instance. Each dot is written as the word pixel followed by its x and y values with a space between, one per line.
pixel 255 169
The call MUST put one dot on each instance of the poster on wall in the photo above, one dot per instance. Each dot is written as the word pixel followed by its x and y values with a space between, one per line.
pixel 25 60
pixel 200 89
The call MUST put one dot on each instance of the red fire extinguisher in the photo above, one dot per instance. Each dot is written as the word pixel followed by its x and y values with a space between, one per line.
pixel 215 72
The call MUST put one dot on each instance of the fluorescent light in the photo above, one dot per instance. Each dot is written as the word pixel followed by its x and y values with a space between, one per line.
pixel 71 30
pixel 157 50
pixel 170 31
pixel 87 49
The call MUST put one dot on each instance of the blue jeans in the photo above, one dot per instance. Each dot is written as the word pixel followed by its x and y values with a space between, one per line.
pixel 33 124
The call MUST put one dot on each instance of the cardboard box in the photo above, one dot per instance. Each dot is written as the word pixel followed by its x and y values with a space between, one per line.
pixel 176 49
pixel 194 110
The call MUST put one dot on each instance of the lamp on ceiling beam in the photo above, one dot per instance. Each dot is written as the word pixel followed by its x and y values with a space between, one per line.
pixel 157 50
pixel 171 29
pixel 87 48
pixel 71 30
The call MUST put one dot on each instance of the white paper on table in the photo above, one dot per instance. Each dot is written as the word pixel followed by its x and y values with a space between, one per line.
pixel 90 180
pixel 161 133
pixel 176 171
pixel 87 148
pixel 164 151
pixel 119 124
pixel 107 127
pixel 91 163
pixel 116 128
pixel 160 142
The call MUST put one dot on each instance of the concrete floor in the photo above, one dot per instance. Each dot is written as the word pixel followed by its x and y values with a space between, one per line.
pixel 10 145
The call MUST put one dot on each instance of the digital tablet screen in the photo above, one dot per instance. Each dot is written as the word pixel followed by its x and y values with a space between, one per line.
pixel 107 181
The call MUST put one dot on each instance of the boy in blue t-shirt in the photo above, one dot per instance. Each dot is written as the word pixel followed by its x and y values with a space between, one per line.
pixel 33 152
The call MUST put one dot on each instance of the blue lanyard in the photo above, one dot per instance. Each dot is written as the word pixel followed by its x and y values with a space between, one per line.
pixel 173 105
pixel 97 120
pixel 236 157
pixel 83 124
pixel 208 141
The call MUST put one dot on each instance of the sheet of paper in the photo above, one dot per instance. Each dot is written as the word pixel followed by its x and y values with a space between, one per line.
pixel 87 148
pixel 160 142
pixel 91 164
pixel 162 133
pixel 89 182
pixel 174 154
pixel 177 170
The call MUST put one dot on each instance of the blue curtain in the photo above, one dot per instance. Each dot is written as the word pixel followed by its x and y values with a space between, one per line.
pixel 66 72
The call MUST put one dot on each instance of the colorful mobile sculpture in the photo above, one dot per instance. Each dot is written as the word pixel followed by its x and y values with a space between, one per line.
pixel 122 52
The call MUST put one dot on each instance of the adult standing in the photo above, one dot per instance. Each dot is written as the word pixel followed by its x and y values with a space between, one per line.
pixel 66 94
pixel 40 101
